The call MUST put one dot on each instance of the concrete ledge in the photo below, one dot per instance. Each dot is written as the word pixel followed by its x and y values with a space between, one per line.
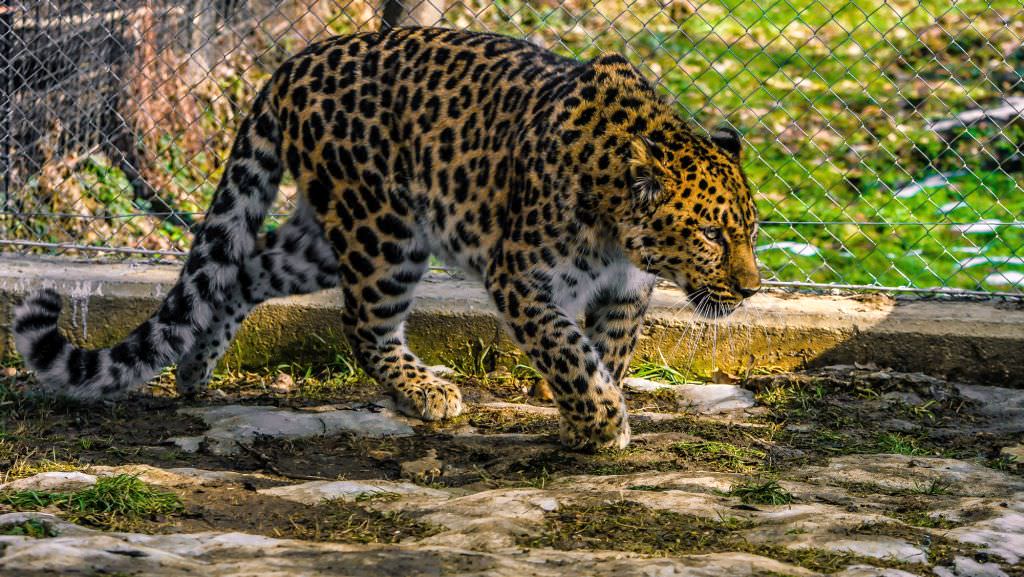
pixel 970 341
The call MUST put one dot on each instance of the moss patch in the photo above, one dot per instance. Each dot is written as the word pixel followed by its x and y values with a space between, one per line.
pixel 510 421
pixel 849 410
pixel 721 456
pixel 630 526
pixel 761 493
pixel 31 528
pixel 345 522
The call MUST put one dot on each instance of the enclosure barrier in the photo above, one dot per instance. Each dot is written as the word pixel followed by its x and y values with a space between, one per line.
pixel 883 139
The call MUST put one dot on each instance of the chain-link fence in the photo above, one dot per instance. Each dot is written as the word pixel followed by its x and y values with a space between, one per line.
pixel 885 140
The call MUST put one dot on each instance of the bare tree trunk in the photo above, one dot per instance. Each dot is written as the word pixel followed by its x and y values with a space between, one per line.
pixel 411 13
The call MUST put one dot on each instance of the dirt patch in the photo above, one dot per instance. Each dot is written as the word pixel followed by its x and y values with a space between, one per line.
pixel 864 409
pixel 630 526
pixel 228 508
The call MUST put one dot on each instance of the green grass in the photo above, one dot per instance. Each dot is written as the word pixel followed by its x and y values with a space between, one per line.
pixel 661 371
pixel 861 134
pixel 112 502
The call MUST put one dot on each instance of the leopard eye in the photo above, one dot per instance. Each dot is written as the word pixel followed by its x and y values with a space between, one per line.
pixel 713 233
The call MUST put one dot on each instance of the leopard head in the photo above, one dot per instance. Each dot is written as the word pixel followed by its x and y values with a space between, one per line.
pixel 693 219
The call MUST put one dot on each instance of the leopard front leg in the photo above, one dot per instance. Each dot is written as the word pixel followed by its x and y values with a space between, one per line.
pixel 614 318
pixel 591 406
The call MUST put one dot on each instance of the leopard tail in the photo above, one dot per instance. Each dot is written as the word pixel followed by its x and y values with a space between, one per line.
pixel 226 238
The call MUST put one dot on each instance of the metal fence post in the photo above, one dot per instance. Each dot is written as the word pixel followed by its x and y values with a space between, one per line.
pixel 411 13
pixel 6 93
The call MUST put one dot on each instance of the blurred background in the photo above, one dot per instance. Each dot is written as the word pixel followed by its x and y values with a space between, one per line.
pixel 885 140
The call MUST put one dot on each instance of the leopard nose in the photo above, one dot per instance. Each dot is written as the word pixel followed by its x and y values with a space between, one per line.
pixel 748 292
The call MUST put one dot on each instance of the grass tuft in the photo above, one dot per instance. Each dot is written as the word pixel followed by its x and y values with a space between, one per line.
pixel 933 487
pixel 113 502
pixel 761 493
pixel 26 468
pixel 656 371
pixel 899 444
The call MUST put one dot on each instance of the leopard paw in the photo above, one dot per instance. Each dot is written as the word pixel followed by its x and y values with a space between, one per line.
pixel 431 401
pixel 607 428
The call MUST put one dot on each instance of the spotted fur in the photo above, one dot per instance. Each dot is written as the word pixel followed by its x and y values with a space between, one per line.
pixel 565 186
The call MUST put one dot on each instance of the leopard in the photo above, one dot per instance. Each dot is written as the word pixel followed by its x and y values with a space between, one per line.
pixel 567 187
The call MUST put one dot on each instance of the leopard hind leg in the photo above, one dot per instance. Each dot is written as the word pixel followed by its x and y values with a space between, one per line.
pixel 294 259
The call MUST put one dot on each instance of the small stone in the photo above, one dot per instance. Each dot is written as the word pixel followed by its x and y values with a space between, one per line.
pixel 1001 536
pixel 639 385
pixel 52 481
pixel 711 399
pixel 707 399
pixel 188 444
pixel 966 567
pixel 548 504
pixel 441 370
pixel 879 547
pixel 721 377
pixel 283 384
pixel 1015 453
pixel 10 372
pixel 425 470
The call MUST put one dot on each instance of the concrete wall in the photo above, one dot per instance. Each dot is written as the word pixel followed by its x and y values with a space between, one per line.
pixel 972 341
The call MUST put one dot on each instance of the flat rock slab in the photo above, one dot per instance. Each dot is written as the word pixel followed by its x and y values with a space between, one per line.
pixel 316 491
pixel 231 425
pixel 906 473
pixel 71 481
pixel 176 477
pixel 705 399
pixel 1004 407
pixel 239 554
pixel 1001 536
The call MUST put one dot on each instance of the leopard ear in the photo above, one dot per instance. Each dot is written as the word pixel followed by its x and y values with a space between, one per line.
pixel 646 172
pixel 728 140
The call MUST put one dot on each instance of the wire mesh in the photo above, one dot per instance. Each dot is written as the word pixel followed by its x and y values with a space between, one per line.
pixel 884 139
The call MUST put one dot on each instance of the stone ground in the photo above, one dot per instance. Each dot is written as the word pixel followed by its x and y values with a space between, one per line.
pixel 846 471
